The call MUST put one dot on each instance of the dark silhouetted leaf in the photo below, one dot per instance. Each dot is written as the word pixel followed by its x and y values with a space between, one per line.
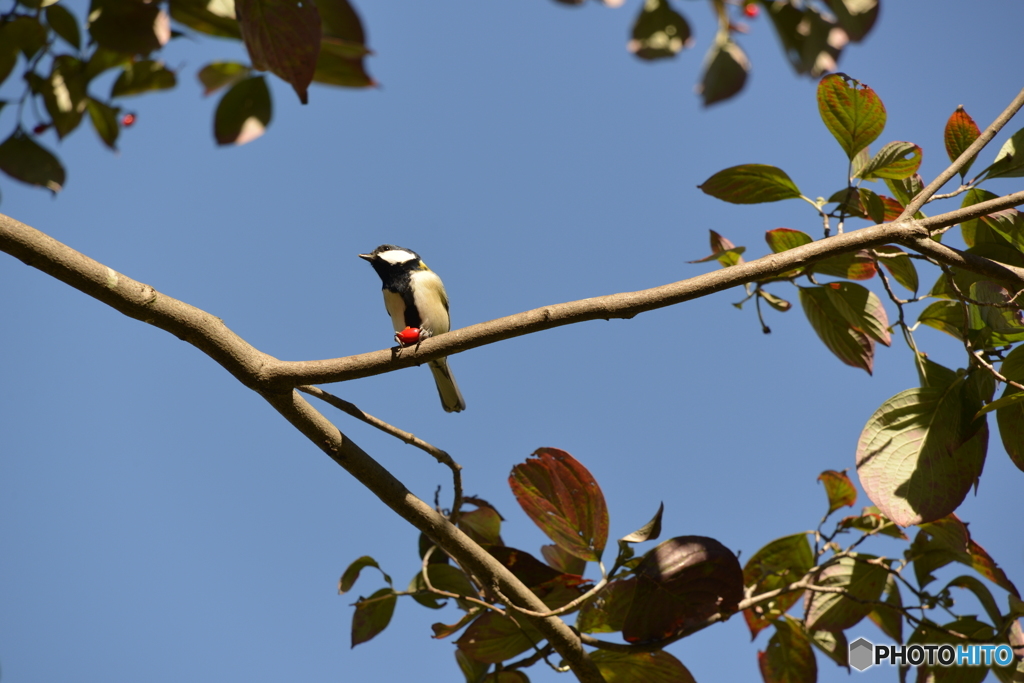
pixel 473 670
pixel 970 628
pixel 348 579
pixel 282 36
pixel 852 112
pixel 750 184
pixel 856 17
pixel 24 159
pixel 780 563
pixel 104 121
pixel 889 618
pixel 64 24
pixel 25 34
pixel 726 73
pixel 64 94
pixel 921 452
pixel 834 645
pixel 1011 418
pixel 493 638
pixel 606 613
pixel 373 615
pixel 961 132
pixel 839 489
pixel 1009 162
pixel 896 160
pixel 103 60
pixel 633 667
pixel 899 265
pixel 563 499
pixel 862 579
pixel 336 66
pixel 506 677
pixel 217 75
pixel 659 31
pixel 784 239
pixel 143 76
pixel 550 585
pixel 788 657
pixel 134 28
pixel 807 36
pixel 243 113
pixel 682 582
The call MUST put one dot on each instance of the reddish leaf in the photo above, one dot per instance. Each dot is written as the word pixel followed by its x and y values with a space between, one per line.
pixel 562 561
pixel 563 499
pixel 483 525
pixel 862 581
pixel 493 638
pixel 839 489
pixel 893 208
pixel 282 36
pixel 724 251
pixel 921 452
pixel 851 111
pixel 373 615
pixel 961 132
pixel 858 265
pixel 649 667
pixel 750 184
pixel 778 564
pixel 470 668
pixel 788 657
pixel 680 583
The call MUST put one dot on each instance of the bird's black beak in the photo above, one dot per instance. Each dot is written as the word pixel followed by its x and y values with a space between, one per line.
pixel 368 257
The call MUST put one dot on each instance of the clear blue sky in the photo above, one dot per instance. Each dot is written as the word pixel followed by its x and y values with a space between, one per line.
pixel 159 522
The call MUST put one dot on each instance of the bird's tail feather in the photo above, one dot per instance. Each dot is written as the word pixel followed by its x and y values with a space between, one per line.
pixel 451 397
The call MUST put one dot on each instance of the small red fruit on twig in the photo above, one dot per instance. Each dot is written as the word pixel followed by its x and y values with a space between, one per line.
pixel 127 120
pixel 751 10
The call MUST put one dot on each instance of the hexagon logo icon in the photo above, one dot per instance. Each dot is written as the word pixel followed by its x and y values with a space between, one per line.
pixel 862 653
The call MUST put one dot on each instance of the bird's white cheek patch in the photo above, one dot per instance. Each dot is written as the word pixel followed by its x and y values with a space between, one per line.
pixel 396 256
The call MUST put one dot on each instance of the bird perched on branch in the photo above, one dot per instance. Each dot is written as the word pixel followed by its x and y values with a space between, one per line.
pixel 415 299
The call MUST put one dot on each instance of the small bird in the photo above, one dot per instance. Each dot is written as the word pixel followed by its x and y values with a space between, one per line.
pixel 414 297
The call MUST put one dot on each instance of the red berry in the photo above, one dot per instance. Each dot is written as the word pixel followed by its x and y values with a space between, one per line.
pixel 40 128
pixel 751 10
pixel 127 120
pixel 408 336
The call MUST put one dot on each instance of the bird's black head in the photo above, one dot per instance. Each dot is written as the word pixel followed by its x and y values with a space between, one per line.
pixel 389 260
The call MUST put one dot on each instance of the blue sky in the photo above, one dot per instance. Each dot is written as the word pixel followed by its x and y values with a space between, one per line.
pixel 160 522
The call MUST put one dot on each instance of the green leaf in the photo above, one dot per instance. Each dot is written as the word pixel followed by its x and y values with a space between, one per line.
pixel 849 318
pixel 871 521
pixel 243 113
pixel 212 18
pixel 373 615
pixel 1001 320
pixel 133 28
pixel 934 375
pixel 1011 417
pixel 336 65
pixel 851 111
pixel 778 303
pixel 788 658
pixel 104 121
pixel 750 184
pixel 961 132
pixel 723 251
pixel 217 75
pixel 24 159
pixel 862 577
pixel 981 592
pixel 606 613
pixel 834 645
pixel 493 638
pixel 648 532
pixel 778 564
pixel 103 60
pixel 807 36
pixel 1008 224
pixel 143 76
pixel 854 265
pixel 726 72
pixel 922 451
pixel 348 579
pixel 896 160
pixel 64 24
pixel 951 539
pixel 473 670
pixel 899 265
pixel 905 189
pixel 839 489
pixel 24 33
pixel 945 316
pixel 483 524
pixel 681 582
pixel 443 577
pixel 888 617
pixel 784 239
pixel 649 667
pixel 563 499
pixel 1009 162
pixel 659 31
pixel 282 36
pixel 970 628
